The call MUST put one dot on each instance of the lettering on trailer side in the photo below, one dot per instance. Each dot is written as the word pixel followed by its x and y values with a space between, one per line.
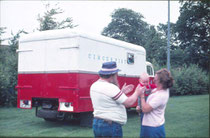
pixel 92 56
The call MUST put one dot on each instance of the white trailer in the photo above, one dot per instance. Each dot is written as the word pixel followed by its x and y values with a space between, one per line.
pixel 57 67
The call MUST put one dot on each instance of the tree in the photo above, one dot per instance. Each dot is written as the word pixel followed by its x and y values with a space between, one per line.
pixel 48 21
pixel 194 32
pixel 156 47
pixel 2 32
pixel 163 30
pixel 8 71
pixel 127 25
pixel 3 79
pixel 13 41
pixel 177 54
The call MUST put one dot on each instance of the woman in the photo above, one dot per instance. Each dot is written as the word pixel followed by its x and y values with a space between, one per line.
pixel 154 109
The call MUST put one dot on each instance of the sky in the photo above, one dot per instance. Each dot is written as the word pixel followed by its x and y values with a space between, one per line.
pixel 90 16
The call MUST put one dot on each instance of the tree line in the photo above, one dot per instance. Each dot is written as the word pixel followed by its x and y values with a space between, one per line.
pixel 189 45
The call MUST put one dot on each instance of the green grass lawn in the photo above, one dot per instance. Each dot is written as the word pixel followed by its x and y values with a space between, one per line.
pixel 186 116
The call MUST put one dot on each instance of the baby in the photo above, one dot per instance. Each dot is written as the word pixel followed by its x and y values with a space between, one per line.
pixel 144 82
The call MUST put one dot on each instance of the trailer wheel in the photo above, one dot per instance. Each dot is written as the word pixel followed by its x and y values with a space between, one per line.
pixel 86 119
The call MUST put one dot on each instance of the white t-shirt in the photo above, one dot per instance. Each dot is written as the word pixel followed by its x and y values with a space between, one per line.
pixel 107 101
pixel 157 101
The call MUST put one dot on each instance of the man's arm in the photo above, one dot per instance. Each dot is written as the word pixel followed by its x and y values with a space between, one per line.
pixel 132 99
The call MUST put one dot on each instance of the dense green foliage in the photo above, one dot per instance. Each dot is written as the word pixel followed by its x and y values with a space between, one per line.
pixel 155 47
pixel 8 71
pixel 190 80
pixel 177 57
pixel 186 116
pixel 8 75
pixel 193 32
pixel 128 26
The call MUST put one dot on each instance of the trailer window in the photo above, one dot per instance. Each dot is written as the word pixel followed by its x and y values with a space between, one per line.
pixel 149 70
pixel 130 58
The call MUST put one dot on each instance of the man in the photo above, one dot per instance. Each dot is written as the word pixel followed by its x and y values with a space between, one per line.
pixel 109 102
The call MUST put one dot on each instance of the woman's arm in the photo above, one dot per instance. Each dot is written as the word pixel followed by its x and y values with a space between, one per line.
pixel 145 107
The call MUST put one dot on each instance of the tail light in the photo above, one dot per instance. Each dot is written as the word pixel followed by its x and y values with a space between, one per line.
pixel 66 106
pixel 25 103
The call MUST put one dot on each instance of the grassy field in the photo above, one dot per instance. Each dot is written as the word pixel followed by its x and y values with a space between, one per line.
pixel 186 116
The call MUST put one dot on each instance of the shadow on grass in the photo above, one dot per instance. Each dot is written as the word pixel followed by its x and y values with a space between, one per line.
pixel 76 122
pixel 58 123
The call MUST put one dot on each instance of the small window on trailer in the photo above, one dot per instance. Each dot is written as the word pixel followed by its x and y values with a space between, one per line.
pixel 149 70
pixel 130 58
